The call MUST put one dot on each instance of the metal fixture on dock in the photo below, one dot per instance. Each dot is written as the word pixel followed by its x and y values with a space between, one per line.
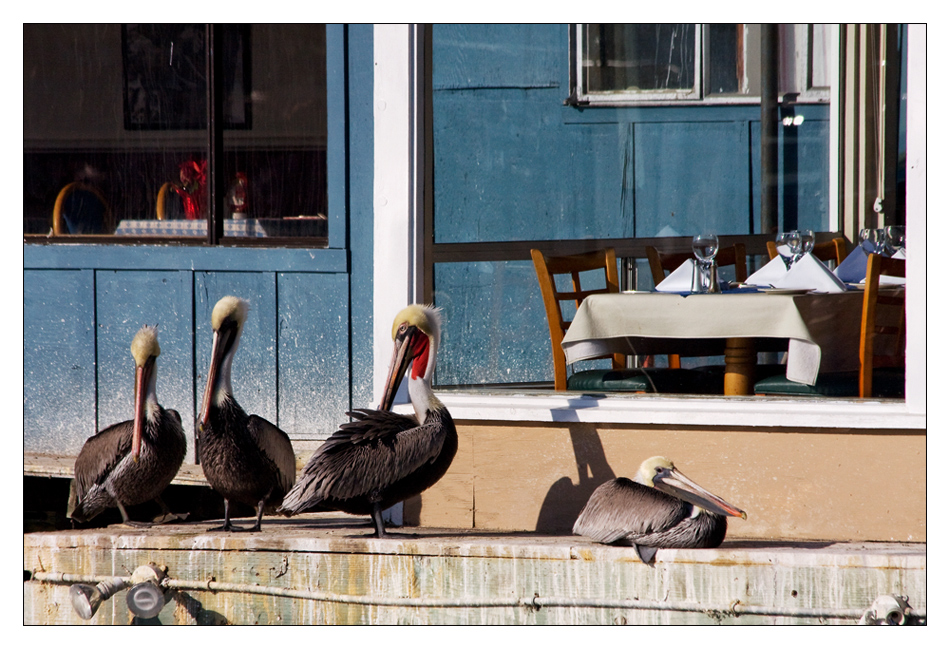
pixel 145 598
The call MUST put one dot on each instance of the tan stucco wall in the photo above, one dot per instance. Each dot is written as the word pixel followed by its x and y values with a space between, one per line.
pixel 802 484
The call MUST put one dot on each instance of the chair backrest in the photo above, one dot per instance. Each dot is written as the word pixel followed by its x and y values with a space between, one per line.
pixel 835 250
pixel 661 262
pixel 882 321
pixel 81 209
pixel 547 268
pixel 161 200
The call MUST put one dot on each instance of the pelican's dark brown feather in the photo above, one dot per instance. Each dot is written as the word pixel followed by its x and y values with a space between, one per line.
pixel 100 454
pixel 367 458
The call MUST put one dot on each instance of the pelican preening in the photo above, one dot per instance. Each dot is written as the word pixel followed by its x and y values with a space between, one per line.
pixel 662 509
pixel 382 458
pixel 131 462
pixel 244 457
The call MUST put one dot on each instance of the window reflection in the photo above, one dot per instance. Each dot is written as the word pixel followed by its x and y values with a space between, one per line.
pixel 116 131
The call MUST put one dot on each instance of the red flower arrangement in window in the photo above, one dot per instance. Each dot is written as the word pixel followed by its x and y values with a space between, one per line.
pixel 194 188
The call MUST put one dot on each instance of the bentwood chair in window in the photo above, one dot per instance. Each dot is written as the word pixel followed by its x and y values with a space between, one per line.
pixel 663 262
pixel 81 209
pixel 619 377
pixel 835 250
pixel 881 350
pixel 168 204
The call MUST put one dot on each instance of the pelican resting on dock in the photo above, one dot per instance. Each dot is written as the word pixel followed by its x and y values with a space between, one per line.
pixel 131 462
pixel 662 509
pixel 244 457
pixel 381 458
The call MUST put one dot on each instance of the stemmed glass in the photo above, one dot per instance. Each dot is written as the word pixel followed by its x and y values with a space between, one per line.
pixel 895 238
pixel 789 246
pixel 872 240
pixel 808 242
pixel 705 247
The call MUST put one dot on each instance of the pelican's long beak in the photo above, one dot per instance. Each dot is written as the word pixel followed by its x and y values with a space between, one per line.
pixel 404 348
pixel 217 355
pixel 142 377
pixel 678 485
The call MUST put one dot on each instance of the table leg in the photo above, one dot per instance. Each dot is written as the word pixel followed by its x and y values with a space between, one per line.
pixel 740 366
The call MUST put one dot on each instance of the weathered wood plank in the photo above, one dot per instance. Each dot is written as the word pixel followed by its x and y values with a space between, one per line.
pixel 332 555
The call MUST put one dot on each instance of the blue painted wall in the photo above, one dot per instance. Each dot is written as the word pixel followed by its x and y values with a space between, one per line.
pixel 311 309
pixel 512 162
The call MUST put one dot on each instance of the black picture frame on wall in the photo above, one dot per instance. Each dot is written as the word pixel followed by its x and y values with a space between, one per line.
pixel 165 83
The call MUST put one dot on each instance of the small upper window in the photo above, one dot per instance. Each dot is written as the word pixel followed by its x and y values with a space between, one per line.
pixel 692 62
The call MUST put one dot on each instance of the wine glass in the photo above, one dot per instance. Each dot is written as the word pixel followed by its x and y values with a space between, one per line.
pixel 808 241
pixel 789 245
pixel 895 238
pixel 871 239
pixel 705 247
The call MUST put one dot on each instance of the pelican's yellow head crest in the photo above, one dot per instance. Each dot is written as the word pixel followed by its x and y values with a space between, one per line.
pixel 145 345
pixel 425 318
pixel 648 468
pixel 231 307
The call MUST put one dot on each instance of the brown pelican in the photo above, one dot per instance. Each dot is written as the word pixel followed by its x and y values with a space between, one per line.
pixel 625 512
pixel 244 457
pixel 382 458
pixel 131 462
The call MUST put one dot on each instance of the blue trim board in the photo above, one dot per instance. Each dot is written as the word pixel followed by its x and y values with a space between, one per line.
pixel 166 257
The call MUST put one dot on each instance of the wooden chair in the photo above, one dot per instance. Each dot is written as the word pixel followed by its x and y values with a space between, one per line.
pixel 161 200
pixel 547 267
pixel 835 250
pixel 619 377
pixel 81 209
pixel 663 262
pixel 882 322
pixel 881 349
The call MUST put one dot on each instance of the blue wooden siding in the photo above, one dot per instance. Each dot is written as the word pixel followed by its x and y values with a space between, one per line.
pixel 59 359
pixel 512 162
pixel 313 348
pixel 360 210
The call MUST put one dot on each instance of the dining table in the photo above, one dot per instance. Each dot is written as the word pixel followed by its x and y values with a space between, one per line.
pixel 819 331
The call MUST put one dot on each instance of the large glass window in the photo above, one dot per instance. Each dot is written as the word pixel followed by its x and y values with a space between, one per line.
pixel 118 140
pixel 515 167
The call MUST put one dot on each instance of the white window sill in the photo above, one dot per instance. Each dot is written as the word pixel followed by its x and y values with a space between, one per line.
pixel 681 411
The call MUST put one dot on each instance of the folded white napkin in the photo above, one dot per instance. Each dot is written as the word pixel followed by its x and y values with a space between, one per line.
pixel 769 274
pixel 679 280
pixel 854 267
pixel 810 273
pixel 900 254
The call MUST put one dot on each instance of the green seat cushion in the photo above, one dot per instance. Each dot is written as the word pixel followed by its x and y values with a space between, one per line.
pixel 673 381
pixel 887 383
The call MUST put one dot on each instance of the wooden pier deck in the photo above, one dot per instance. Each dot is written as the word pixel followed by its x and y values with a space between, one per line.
pixel 328 569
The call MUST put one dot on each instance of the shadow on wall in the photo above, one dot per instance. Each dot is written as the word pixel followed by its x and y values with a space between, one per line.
pixel 565 500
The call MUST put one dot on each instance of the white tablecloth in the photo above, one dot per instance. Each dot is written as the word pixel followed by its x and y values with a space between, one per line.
pixel 822 330
pixel 313 227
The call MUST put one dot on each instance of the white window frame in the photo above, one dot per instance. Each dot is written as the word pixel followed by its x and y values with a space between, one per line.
pixel 638 96
pixel 799 66
pixel 398 217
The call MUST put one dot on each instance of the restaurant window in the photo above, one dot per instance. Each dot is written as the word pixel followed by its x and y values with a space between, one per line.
pixel 118 142
pixel 691 62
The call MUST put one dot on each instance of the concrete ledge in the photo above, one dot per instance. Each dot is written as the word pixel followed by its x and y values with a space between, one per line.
pixel 327 569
